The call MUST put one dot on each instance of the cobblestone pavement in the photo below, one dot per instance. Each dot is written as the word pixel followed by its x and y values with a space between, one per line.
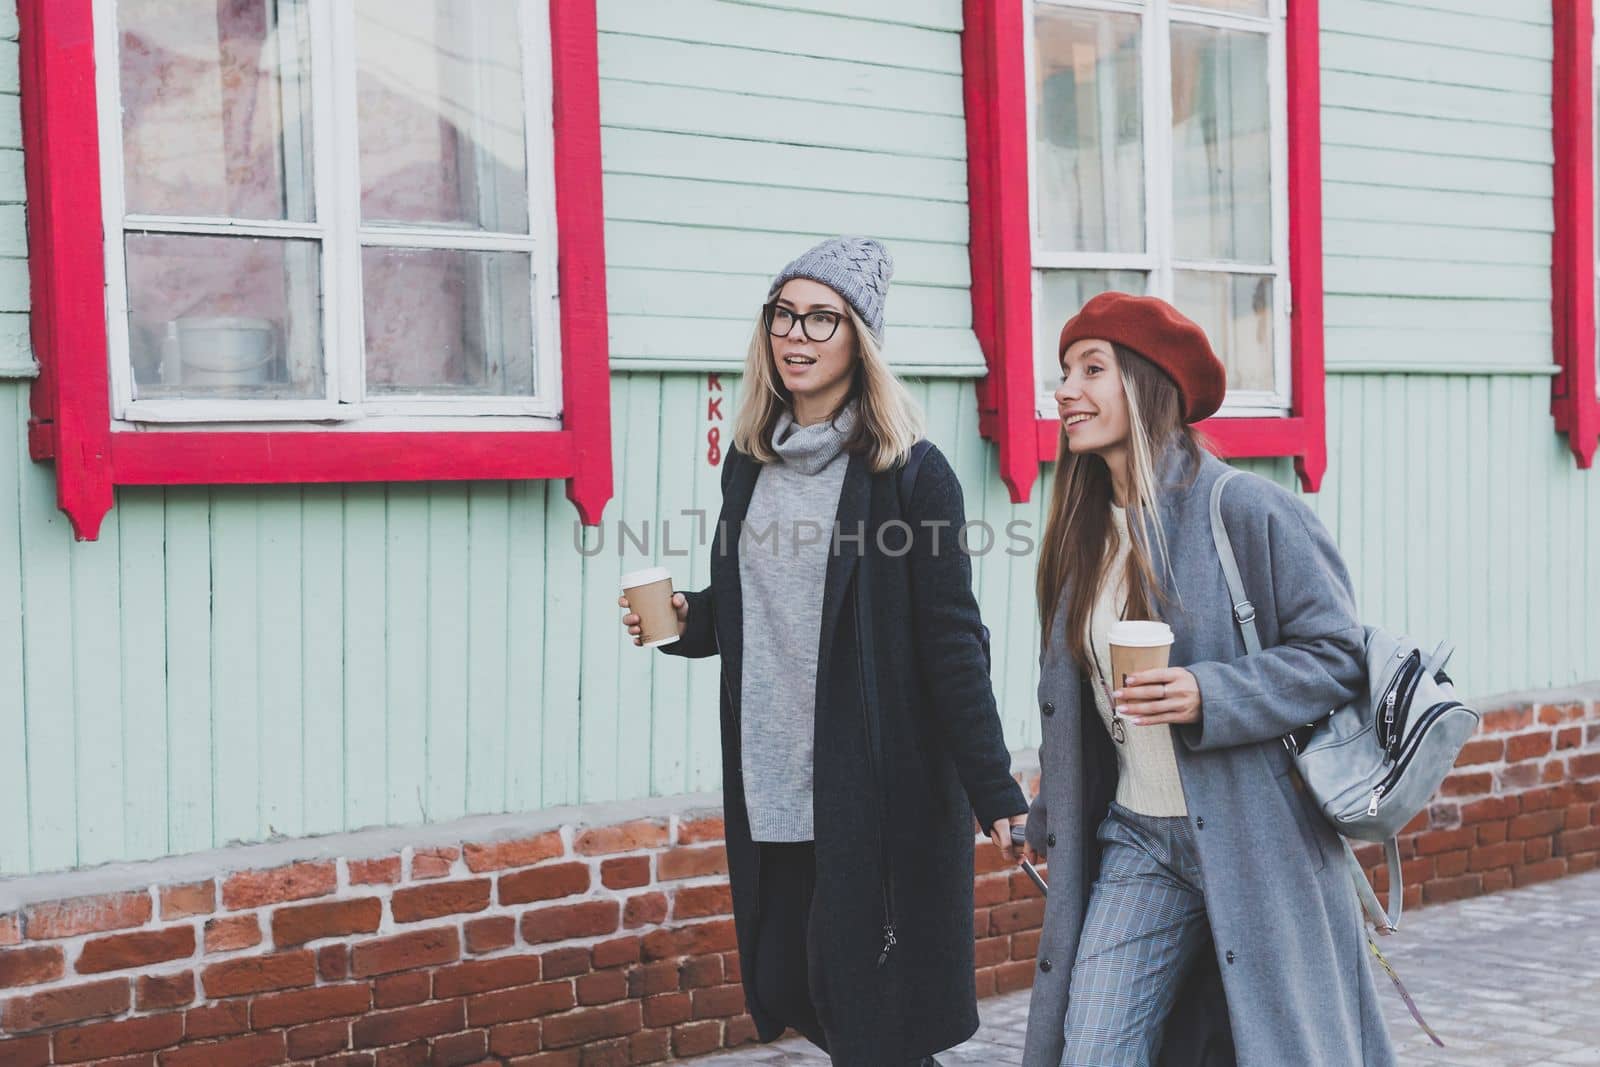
pixel 1509 980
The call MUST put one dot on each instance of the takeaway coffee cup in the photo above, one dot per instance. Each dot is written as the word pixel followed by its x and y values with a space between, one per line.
pixel 649 594
pixel 1137 645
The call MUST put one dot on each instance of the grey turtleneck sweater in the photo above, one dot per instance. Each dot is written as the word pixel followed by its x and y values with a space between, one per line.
pixel 783 562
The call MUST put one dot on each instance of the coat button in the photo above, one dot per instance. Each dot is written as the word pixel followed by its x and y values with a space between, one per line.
pixel 1049 708
pixel 1050 840
pixel 1229 956
pixel 1044 965
pixel 1200 823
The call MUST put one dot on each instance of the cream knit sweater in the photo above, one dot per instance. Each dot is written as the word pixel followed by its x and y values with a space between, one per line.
pixel 1147 766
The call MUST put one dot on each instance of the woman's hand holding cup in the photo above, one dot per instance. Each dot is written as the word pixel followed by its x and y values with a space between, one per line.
pixel 680 604
pixel 1167 696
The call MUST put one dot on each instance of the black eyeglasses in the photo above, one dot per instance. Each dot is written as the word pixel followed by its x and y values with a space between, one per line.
pixel 818 326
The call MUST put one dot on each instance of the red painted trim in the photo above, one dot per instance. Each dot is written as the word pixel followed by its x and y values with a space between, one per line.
pixel 359 456
pixel 976 54
pixel 1002 280
pixel 580 218
pixel 1573 400
pixel 71 422
pixel 1001 241
pixel 61 157
pixel 1307 395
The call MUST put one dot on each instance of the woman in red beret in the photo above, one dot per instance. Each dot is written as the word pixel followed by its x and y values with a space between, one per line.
pixel 1200 910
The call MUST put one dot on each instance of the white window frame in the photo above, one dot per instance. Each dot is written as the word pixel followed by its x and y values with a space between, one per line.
pixel 342 233
pixel 1157 261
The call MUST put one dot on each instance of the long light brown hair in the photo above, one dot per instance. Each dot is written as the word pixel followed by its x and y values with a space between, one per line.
pixel 1078 544
pixel 888 421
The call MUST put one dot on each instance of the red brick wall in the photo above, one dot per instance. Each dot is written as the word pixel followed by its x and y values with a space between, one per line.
pixel 592 946
pixel 1521 806
pixel 581 946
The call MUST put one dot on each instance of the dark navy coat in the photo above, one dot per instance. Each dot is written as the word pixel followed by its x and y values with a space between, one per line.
pixel 908 747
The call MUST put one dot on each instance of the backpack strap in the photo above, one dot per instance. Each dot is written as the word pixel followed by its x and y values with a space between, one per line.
pixel 1400 988
pixel 906 484
pixel 908 473
pixel 1441 656
pixel 1387 922
pixel 1244 612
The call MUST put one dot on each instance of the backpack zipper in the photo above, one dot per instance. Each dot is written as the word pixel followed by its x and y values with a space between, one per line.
pixel 886 882
pixel 1407 693
pixel 1393 718
pixel 1415 743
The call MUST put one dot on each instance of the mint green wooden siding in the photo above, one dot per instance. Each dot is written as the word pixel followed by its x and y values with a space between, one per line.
pixel 231 664
pixel 736 134
pixel 1437 183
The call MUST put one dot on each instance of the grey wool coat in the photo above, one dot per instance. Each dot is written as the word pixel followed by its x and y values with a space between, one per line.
pixel 1288 969
pixel 908 748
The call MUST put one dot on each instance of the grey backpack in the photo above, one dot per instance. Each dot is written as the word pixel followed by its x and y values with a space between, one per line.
pixel 1374 763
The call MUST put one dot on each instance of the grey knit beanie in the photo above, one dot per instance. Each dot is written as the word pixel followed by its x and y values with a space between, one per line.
pixel 857 268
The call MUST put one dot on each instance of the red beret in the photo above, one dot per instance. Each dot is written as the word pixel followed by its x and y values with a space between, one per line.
pixel 1160 333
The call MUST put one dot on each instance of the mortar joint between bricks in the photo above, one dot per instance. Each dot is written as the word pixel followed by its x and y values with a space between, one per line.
pixel 72 949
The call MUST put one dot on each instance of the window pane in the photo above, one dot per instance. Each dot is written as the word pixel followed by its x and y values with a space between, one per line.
pixel 1237 7
pixel 440 105
pixel 1089 148
pixel 1235 310
pixel 441 321
pixel 224 317
pixel 1061 294
pixel 216 108
pixel 1221 145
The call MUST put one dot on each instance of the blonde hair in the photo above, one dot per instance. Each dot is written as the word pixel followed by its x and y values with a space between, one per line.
pixel 888 421
pixel 1076 549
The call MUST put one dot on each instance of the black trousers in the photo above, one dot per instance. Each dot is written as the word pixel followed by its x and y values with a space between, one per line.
pixel 788 882
pixel 782 985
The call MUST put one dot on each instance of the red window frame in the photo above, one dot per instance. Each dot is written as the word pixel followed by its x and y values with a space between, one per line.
pixel 1573 401
pixel 71 421
pixel 995 73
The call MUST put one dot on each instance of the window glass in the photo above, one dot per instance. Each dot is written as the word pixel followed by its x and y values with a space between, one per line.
pixel 440 103
pixel 232 281
pixel 224 317
pixel 1221 146
pixel 216 115
pixel 1171 192
pixel 1235 310
pixel 1088 137
pixel 1232 7
pixel 446 321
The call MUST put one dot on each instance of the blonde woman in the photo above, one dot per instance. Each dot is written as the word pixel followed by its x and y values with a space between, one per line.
pixel 859 731
pixel 1198 910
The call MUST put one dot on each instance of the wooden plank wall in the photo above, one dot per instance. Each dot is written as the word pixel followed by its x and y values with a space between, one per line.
pixel 737 133
pixel 234 664
pixel 1436 183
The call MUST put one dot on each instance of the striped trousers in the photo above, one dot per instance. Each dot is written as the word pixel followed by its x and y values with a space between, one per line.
pixel 1145 923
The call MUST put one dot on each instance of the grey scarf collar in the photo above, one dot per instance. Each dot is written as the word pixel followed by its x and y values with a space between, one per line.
pixel 807 449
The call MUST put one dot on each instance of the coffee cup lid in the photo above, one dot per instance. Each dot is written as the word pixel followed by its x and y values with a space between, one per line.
pixel 645 577
pixel 1140 633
